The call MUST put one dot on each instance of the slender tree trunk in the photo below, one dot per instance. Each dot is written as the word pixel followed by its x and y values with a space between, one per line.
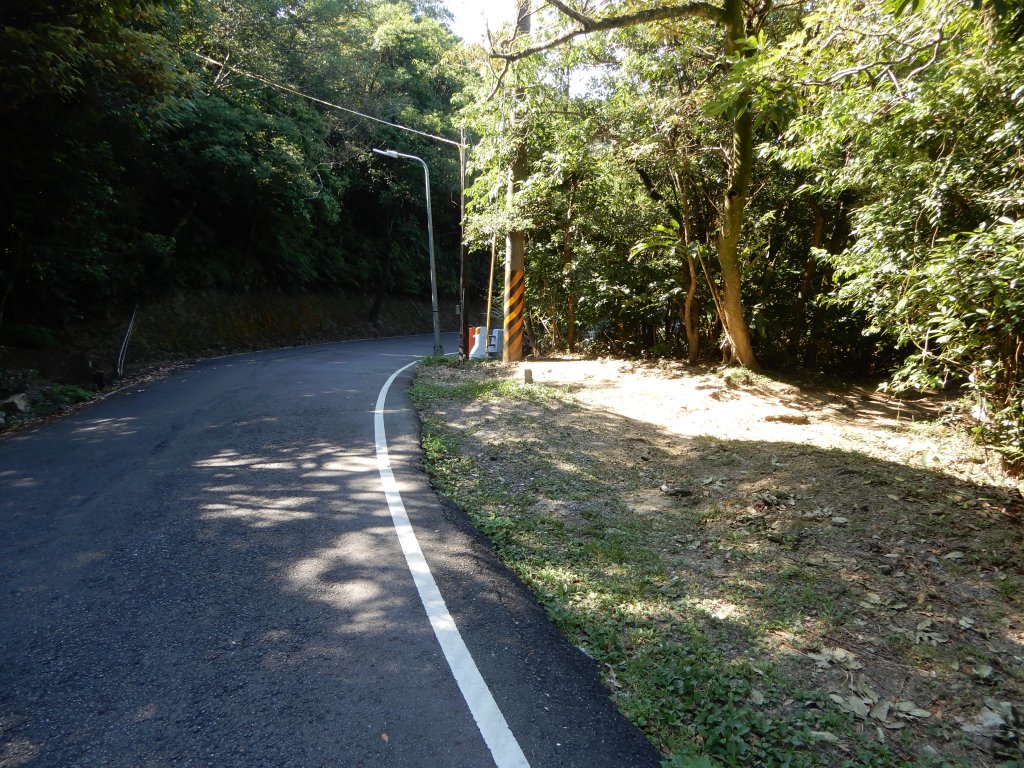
pixel 689 315
pixel 572 324
pixel 689 307
pixel 555 329
pixel 185 219
pixel 515 241
pixel 817 239
pixel 738 336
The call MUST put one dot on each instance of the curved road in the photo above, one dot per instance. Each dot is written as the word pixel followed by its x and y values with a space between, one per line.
pixel 204 571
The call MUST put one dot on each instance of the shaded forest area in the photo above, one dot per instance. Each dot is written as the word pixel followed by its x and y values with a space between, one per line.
pixel 835 186
pixel 134 169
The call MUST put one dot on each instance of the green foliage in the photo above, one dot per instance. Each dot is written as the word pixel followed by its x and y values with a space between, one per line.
pixel 962 308
pixel 133 168
pixel 443 361
pixel 424 392
pixel 69 394
pixel 83 89
pixel 584 206
pixel 42 397
pixel 915 120
pixel 883 202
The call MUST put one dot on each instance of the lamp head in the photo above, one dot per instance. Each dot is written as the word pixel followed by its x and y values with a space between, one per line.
pixel 387 153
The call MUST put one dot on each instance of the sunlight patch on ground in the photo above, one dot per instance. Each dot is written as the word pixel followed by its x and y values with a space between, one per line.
pixel 821 541
pixel 226 459
pixel 108 427
pixel 260 512
pixel 718 608
pixel 331 576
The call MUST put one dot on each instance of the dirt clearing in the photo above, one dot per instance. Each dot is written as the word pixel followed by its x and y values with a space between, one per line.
pixel 766 574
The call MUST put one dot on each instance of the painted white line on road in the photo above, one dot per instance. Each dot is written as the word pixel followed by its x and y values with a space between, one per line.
pixel 503 745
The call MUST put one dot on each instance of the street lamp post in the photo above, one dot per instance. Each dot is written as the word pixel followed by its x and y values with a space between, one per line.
pixel 438 348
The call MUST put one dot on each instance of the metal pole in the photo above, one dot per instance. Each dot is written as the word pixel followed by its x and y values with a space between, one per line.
pixel 438 348
pixel 490 284
pixel 124 346
pixel 463 314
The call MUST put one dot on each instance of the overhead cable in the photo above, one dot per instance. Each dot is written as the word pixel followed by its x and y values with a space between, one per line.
pixel 289 89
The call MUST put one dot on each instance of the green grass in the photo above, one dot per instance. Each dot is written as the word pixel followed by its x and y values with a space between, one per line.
pixel 69 393
pixel 424 392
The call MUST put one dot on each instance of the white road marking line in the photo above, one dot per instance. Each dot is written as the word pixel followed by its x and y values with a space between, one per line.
pixel 503 745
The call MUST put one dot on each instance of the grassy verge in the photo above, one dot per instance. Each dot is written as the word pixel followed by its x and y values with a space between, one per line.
pixel 699 614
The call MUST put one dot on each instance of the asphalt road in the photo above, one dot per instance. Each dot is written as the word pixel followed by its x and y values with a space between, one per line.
pixel 204 571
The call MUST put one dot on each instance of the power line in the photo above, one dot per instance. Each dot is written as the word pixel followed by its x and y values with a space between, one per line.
pixel 296 92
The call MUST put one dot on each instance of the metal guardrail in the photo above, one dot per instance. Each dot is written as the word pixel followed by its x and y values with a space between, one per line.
pixel 124 345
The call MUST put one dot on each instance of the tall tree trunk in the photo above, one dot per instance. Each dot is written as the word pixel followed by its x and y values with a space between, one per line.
pixel 738 335
pixel 741 163
pixel 572 324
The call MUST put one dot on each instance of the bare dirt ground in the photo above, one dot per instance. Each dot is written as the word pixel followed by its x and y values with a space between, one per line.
pixel 851 540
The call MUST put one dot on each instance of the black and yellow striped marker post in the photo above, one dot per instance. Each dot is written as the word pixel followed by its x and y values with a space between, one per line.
pixel 515 297
pixel 515 293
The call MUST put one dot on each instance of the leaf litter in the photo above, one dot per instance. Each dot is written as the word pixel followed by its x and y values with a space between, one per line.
pixel 869 553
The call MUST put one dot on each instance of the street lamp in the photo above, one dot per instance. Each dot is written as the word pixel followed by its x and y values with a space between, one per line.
pixel 438 348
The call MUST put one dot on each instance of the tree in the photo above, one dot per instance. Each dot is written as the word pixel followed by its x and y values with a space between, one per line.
pixel 656 114
pixel 579 202
pixel 913 117
pixel 85 84
pixel 740 27
pixel 134 167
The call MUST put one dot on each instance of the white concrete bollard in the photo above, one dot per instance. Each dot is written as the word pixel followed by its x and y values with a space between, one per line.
pixel 478 350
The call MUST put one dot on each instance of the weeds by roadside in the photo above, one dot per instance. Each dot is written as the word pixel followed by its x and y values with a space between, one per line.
pixel 26 397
